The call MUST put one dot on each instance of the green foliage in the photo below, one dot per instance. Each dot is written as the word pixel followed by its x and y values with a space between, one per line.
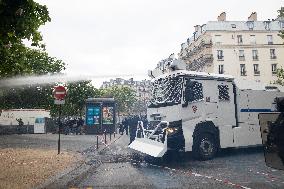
pixel 20 60
pixel 21 19
pixel 123 95
pixel 26 97
pixel 76 97
pixel 281 16
pixel 280 72
pixel 42 97
pixel 280 76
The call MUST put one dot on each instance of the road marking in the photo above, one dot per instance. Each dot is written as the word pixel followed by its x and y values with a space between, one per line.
pixel 268 175
pixel 196 175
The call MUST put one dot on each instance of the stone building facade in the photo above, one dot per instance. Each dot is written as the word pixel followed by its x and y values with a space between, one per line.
pixel 249 49
pixel 141 88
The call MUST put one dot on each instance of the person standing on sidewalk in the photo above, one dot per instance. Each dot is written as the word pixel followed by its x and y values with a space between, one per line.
pixel 20 126
pixel 121 128
pixel 133 121
pixel 125 125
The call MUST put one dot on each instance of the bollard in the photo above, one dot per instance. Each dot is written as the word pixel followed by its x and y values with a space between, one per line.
pixel 110 136
pixel 114 134
pixel 105 138
pixel 97 142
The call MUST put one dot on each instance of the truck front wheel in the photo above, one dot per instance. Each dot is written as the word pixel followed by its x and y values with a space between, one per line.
pixel 204 146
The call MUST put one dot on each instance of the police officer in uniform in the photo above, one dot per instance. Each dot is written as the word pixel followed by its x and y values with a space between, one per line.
pixel 133 121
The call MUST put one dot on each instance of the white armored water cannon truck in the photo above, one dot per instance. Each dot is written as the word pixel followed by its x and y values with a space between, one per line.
pixel 202 112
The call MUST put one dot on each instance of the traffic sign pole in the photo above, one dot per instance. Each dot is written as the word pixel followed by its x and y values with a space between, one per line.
pixel 59 131
pixel 59 95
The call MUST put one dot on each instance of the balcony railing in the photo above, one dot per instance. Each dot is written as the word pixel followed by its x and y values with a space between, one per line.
pixel 200 62
pixel 256 72
pixel 273 57
pixel 244 73
pixel 255 58
pixel 208 58
pixel 220 57
pixel 242 58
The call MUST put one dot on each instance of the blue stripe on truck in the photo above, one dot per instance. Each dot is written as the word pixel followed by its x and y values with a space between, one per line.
pixel 256 110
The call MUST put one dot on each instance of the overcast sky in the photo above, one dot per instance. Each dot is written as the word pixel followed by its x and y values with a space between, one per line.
pixel 104 37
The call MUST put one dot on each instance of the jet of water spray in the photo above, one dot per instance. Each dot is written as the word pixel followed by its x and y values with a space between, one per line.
pixel 54 78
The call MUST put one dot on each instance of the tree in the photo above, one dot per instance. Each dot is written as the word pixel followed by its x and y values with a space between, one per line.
pixel 36 62
pixel 124 97
pixel 280 71
pixel 20 20
pixel 76 97
pixel 281 16
pixel 139 107
pixel 22 60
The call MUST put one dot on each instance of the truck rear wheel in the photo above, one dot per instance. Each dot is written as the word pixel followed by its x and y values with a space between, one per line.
pixel 204 146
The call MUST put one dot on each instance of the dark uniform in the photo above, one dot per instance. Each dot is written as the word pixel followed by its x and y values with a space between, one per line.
pixel 125 125
pixel 145 121
pixel 133 120
pixel 80 124
pixel 121 128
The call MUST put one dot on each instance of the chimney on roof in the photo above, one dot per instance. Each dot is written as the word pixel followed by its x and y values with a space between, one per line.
pixel 197 27
pixel 222 17
pixel 253 17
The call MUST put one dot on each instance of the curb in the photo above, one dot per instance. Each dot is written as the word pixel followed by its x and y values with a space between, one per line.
pixel 84 166
pixel 107 145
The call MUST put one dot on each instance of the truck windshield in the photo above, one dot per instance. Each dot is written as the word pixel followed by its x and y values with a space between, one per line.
pixel 166 92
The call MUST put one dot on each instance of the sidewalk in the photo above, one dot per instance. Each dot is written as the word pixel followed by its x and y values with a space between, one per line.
pixel 81 169
pixel 102 141
pixel 32 160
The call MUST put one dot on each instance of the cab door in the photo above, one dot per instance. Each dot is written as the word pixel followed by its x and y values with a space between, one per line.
pixel 226 113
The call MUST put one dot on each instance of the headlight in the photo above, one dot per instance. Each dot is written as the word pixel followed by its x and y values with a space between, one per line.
pixel 171 130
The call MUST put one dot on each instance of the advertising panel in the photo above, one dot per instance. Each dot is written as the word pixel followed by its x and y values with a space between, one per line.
pixel 93 115
pixel 108 117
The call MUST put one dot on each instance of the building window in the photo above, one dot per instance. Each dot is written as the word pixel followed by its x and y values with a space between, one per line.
pixel 221 69
pixel 267 25
pixel 243 69
pixel 223 92
pixel 233 25
pixel 250 25
pixel 240 39
pixel 220 55
pixel 241 55
pixel 281 23
pixel 269 39
pixel 274 69
pixel 217 39
pixel 272 54
pixel 256 69
pixel 252 39
pixel 254 55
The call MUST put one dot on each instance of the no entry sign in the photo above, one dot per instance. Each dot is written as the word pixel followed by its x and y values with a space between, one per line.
pixel 59 94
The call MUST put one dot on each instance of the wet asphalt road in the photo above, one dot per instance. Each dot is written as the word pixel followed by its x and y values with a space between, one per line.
pixel 120 167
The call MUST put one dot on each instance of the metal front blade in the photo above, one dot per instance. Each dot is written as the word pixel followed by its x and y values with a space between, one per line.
pixel 148 146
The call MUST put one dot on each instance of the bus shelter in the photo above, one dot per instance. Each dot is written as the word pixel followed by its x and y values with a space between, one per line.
pixel 100 115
